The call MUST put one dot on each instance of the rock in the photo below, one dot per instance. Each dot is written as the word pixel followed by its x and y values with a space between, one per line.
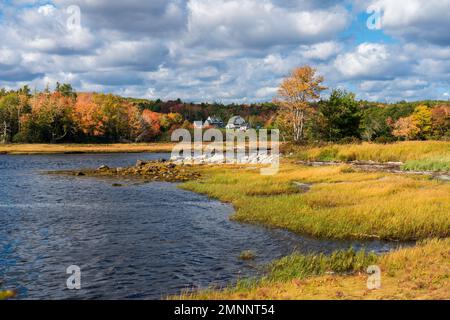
pixel 443 177
pixel 103 168
pixel 303 187
pixel 79 174
pixel 140 163
pixel 247 255
pixel 171 166
pixel 117 185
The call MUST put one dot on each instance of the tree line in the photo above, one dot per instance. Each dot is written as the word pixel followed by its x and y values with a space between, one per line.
pixel 63 115
pixel 304 117
pixel 299 111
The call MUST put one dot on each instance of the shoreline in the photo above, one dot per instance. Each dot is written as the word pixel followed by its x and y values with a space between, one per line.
pixel 331 209
pixel 39 149
pixel 338 203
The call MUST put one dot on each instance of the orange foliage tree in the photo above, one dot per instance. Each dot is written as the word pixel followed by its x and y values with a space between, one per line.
pixel 295 94
pixel 440 119
pixel 151 123
pixel 405 128
pixel 88 115
pixel 416 126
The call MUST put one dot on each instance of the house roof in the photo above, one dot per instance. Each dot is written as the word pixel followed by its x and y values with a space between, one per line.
pixel 214 120
pixel 237 120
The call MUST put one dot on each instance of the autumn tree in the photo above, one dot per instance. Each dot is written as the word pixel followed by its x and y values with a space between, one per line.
pixel 171 121
pixel 405 128
pixel 88 115
pixel 151 124
pixel 295 95
pixel 51 119
pixel 422 120
pixel 134 122
pixel 114 117
pixel 9 119
pixel 440 119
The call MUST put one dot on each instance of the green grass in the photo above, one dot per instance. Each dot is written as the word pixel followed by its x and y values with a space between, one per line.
pixel 431 164
pixel 299 266
pixel 419 272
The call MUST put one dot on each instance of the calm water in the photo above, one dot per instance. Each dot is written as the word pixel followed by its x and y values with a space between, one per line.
pixel 139 241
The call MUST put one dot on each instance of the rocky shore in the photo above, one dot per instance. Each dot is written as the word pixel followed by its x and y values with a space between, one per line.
pixel 372 166
pixel 151 171
pixel 221 159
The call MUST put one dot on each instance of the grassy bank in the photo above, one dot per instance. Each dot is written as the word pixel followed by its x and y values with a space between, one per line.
pixel 7 294
pixel 440 163
pixel 399 152
pixel 340 203
pixel 421 272
pixel 85 148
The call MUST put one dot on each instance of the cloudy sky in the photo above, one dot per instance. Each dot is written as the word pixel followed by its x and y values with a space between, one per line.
pixel 227 50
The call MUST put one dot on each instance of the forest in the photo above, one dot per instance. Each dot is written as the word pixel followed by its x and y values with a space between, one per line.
pixel 63 116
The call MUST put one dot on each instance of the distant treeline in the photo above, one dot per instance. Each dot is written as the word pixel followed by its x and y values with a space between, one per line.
pixel 63 115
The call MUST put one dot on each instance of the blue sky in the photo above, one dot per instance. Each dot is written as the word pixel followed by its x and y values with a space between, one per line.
pixel 226 50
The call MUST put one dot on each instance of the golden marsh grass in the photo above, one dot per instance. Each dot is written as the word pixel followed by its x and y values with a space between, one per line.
pixel 340 204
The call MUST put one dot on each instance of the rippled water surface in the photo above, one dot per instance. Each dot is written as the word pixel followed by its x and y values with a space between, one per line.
pixel 139 241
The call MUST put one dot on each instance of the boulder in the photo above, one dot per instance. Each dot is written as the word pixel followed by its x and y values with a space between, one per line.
pixel 171 166
pixel 303 187
pixel 140 163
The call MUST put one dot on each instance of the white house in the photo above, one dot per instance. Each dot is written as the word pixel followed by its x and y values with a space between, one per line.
pixel 237 122
pixel 214 122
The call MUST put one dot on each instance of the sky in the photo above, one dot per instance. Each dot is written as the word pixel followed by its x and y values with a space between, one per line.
pixel 227 50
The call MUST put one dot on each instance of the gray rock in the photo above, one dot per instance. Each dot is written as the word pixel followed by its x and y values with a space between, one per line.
pixel 303 187
pixel 140 163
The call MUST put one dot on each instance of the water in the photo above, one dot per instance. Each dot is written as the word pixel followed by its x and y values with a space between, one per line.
pixel 139 241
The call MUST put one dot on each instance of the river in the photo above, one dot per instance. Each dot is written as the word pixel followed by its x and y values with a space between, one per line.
pixel 137 241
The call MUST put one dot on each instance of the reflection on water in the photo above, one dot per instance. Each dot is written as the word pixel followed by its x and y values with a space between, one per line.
pixel 137 241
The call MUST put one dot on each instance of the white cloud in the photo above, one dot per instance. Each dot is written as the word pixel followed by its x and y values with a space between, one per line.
pixel 366 60
pixel 225 50
pixel 321 51
pixel 426 20
pixel 373 61
pixel 260 23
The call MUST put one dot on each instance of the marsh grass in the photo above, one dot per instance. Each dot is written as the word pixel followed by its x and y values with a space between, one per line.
pixel 340 204
pixel 441 163
pixel 85 148
pixel 7 294
pixel 420 272
pixel 400 151
pixel 343 203
pixel 299 266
